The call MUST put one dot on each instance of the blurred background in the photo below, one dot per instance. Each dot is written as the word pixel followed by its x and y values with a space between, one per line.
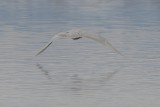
pixel 80 73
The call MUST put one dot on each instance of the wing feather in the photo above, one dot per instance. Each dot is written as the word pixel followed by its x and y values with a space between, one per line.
pixel 102 41
pixel 48 44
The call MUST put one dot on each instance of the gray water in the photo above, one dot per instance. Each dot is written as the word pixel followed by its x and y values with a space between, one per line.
pixel 80 73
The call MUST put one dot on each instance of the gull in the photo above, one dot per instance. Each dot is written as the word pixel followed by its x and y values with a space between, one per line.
pixel 76 34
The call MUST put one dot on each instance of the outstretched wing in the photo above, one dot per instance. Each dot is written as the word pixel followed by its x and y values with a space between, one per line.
pixel 48 44
pixel 101 40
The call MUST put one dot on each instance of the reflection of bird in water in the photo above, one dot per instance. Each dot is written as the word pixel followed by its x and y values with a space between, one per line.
pixel 77 34
pixel 107 77
pixel 46 73
pixel 79 83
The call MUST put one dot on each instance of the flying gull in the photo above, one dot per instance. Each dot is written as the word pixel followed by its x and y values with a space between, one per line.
pixel 76 34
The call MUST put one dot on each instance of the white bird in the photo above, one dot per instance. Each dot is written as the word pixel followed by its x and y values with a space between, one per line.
pixel 76 34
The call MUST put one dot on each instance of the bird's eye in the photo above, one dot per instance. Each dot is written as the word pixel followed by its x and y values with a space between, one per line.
pixel 67 32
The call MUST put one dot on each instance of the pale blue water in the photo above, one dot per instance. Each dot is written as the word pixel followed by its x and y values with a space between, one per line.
pixel 80 73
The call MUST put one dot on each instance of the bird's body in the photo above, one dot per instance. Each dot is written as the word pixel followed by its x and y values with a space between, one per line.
pixel 76 34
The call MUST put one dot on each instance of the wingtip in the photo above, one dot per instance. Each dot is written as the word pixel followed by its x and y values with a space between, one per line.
pixel 119 53
pixel 36 54
pixel 113 48
pixel 39 53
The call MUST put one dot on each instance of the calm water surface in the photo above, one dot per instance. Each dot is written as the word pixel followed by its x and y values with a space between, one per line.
pixel 80 73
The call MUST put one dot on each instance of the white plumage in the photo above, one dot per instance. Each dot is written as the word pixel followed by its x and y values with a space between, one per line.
pixel 76 34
